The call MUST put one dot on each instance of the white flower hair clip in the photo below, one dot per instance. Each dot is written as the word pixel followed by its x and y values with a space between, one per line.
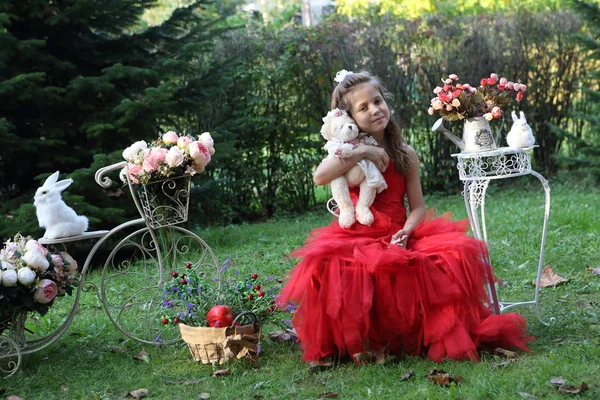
pixel 339 77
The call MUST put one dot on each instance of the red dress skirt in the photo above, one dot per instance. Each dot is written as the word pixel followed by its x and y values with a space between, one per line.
pixel 356 292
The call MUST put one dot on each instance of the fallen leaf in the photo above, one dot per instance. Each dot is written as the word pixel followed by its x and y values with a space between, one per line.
pixel 328 395
pixel 317 366
pixel 138 394
pixel 64 388
pixel 595 271
pixel 443 378
pixel 558 380
pixel 407 375
pixel 505 363
pixel 511 355
pixel 285 335
pixel 549 278
pixel 204 396
pixel 571 389
pixel 143 355
pixel 527 395
pixel 221 372
pixel 14 398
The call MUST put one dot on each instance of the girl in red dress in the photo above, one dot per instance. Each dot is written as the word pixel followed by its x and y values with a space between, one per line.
pixel 404 284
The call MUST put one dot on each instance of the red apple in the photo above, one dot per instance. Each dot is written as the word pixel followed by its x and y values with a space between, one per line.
pixel 219 316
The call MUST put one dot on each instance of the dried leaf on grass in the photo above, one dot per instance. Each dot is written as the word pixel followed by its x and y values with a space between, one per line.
pixel 571 389
pixel 328 395
pixel 595 271
pixel 407 375
pixel 64 388
pixel 143 356
pixel 115 349
pixel 285 335
pixel 511 355
pixel 138 394
pixel 14 398
pixel 549 278
pixel 204 396
pixel 373 357
pixel 221 372
pixel 443 378
pixel 318 366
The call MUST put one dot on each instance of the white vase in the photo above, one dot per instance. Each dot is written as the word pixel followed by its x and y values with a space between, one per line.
pixel 477 135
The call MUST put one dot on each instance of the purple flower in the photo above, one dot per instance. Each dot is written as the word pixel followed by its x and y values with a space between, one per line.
pixel 225 265
pixel 199 289
pixel 270 278
pixel 190 306
pixel 237 273
pixel 258 348
pixel 215 279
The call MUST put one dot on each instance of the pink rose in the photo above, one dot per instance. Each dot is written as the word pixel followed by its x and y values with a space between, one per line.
pixel 517 86
pixel 437 90
pixel 519 96
pixel 494 76
pixel 453 77
pixel 134 172
pixel 152 159
pixel 174 157
pixel 170 137
pixel 503 81
pixel 496 112
pixel 45 292
pixel 430 111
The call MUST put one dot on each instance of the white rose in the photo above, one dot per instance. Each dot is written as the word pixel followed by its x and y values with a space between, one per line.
pixel 208 142
pixel 36 260
pixel 9 278
pixel 26 276
pixel 132 151
pixel 34 245
pixel 174 156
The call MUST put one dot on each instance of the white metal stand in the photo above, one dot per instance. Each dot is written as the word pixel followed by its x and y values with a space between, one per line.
pixel 476 170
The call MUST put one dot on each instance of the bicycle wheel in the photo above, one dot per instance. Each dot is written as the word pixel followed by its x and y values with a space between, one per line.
pixel 134 275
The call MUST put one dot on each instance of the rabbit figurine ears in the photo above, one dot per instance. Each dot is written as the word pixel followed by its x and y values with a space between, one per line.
pixel 51 183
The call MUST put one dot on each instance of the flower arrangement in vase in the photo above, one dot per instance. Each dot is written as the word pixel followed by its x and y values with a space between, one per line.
pixel 476 106
pixel 170 155
pixel 31 277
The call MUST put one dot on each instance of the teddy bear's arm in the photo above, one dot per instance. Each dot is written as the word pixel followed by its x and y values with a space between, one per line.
pixel 338 149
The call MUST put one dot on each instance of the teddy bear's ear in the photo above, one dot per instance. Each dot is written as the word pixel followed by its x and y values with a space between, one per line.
pixel 326 129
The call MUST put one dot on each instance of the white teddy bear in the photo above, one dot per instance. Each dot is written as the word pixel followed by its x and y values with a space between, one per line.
pixel 342 135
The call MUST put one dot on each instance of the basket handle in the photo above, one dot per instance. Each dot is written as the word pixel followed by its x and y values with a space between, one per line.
pixel 255 320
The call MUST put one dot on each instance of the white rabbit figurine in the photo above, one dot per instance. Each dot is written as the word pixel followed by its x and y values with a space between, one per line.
pixel 520 135
pixel 53 214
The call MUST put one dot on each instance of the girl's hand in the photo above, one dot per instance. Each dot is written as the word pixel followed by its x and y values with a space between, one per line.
pixel 401 237
pixel 377 155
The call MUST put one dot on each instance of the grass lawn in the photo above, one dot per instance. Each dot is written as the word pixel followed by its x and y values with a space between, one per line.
pixel 93 360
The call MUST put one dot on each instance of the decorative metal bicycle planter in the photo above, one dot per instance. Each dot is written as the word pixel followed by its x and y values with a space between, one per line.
pixel 133 274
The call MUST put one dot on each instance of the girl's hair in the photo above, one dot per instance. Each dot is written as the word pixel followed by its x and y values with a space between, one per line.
pixel 393 135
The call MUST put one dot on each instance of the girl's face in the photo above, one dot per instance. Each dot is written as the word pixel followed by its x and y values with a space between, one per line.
pixel 369 110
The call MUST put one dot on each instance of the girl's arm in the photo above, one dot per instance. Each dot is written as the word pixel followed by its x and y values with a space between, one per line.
pixel 332 168
pixel 415 200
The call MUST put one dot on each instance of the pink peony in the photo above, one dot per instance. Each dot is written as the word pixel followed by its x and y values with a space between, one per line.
pixel 430 111
pixel 453 77
pixel 183 142
pixel 170 137
pixel 57 260
pixel 134 171
pixel 503 81
pixel 34 245
pixel 153 158
pixel 519 96
pixel 174 157
pixel 437 90
pixel 199 153
pixel 208 142
pixel 45 292
pixel 36 260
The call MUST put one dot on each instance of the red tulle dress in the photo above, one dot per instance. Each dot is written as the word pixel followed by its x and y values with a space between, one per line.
pixel 356 292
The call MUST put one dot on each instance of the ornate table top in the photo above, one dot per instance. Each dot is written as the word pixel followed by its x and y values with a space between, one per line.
pixel 499 163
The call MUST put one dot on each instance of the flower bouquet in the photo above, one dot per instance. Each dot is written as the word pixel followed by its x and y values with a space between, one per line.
pixel 476 106
pixel 219 318
pixel 454 100
pixel 31 278
pixel 160 174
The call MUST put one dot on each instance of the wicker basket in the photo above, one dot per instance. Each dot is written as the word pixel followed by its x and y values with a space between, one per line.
pixel 217 345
